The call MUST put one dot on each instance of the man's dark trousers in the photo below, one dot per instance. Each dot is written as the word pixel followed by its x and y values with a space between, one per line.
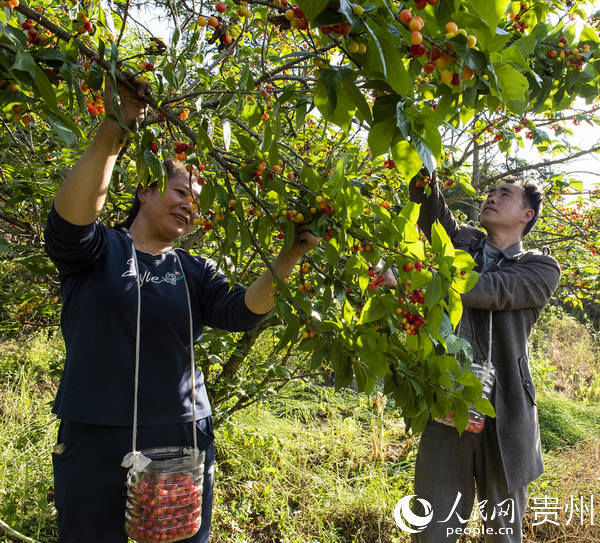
pixel 448 464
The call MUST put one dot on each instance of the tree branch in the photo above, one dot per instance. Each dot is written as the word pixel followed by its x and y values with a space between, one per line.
pixel 544 164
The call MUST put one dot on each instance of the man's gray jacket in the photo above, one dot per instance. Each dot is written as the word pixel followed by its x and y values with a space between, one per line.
pixel 515 289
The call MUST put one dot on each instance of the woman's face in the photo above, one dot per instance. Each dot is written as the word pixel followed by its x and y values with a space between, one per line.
pixel 170 215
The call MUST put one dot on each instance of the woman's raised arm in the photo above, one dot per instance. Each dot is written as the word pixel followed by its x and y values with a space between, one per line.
pixel 82 194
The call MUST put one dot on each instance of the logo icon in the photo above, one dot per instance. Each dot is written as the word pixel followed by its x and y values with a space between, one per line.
pixel 406 519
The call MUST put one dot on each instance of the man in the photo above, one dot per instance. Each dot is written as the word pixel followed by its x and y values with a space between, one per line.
pixel 513 287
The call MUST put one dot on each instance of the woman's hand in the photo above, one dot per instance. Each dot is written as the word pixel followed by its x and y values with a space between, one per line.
pixel 304 241
pixel 132 105
pixel 259 295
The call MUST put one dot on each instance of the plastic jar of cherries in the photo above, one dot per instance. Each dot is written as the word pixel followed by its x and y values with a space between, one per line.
pixel 164 498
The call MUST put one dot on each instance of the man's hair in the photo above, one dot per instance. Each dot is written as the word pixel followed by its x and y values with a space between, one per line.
pixel 533 195
pixel 173 168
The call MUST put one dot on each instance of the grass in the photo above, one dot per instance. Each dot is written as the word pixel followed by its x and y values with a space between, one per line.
pixel 565 360
pixel 303 470
pixel 564 422
pixel 306 467
pixel 27 435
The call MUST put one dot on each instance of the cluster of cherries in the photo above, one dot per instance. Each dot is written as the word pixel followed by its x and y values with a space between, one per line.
pixel 164 507
pixel 417 297
pixel 94 104
pixel 297 18
pixel 324 205
pixel 32 36
pixel 84 24
pixel 423 182
pixel 375 280
pixel 411 322
pixel 181 150
pixel 518 23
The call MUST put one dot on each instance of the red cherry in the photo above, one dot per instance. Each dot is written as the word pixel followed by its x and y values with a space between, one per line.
pixel 417 50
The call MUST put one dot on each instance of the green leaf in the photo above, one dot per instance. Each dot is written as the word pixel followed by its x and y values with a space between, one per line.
pixel 440 241
pixel 156 168
pixel 434 319
pixel 402 122
pixel 589 34
pixel 406 158
pixel 514 88
pixel 66 129
pixel 24 62
pixel 355 265
pixel 354 201
pixel 380 137
pixel 203 141
pixel 373 310
pixel 379 49
pixel 207 197
pixel 460 412
pixel 455 307
pixel 95 78
pixel 464 283
pixel 467 188
pixel 576 185
pixel 491 11
pixel 420 279
pixel 336 181
pixel 335 97
pixel 358 99
pixel 311 179
pixel 463 260
pixel 424 153
pixel 44 87
pixel 434 292
pixel 247 144
pixel 332 251
pixel 348 312
pixel 245 82
pixel 289 236
pixel 484 406
pixel 397 76
pixel 311 8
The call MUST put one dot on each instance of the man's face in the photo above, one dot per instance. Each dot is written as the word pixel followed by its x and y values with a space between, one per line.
pixel 505 209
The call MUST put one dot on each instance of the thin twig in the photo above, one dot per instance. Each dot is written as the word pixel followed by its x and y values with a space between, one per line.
pixel 12 532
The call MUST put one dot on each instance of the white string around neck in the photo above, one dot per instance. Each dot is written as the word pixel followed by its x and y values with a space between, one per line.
pixel 135 457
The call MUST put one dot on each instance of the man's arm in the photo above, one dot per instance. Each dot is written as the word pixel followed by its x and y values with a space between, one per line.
pixel 433 207
pixel 527 284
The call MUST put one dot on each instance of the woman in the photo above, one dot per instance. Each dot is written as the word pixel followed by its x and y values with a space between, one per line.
pixel 105 274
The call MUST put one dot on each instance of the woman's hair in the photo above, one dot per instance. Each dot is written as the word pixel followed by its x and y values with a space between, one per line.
pixel 173 168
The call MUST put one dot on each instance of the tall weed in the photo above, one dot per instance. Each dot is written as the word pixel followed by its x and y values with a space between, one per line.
pixel 566 358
